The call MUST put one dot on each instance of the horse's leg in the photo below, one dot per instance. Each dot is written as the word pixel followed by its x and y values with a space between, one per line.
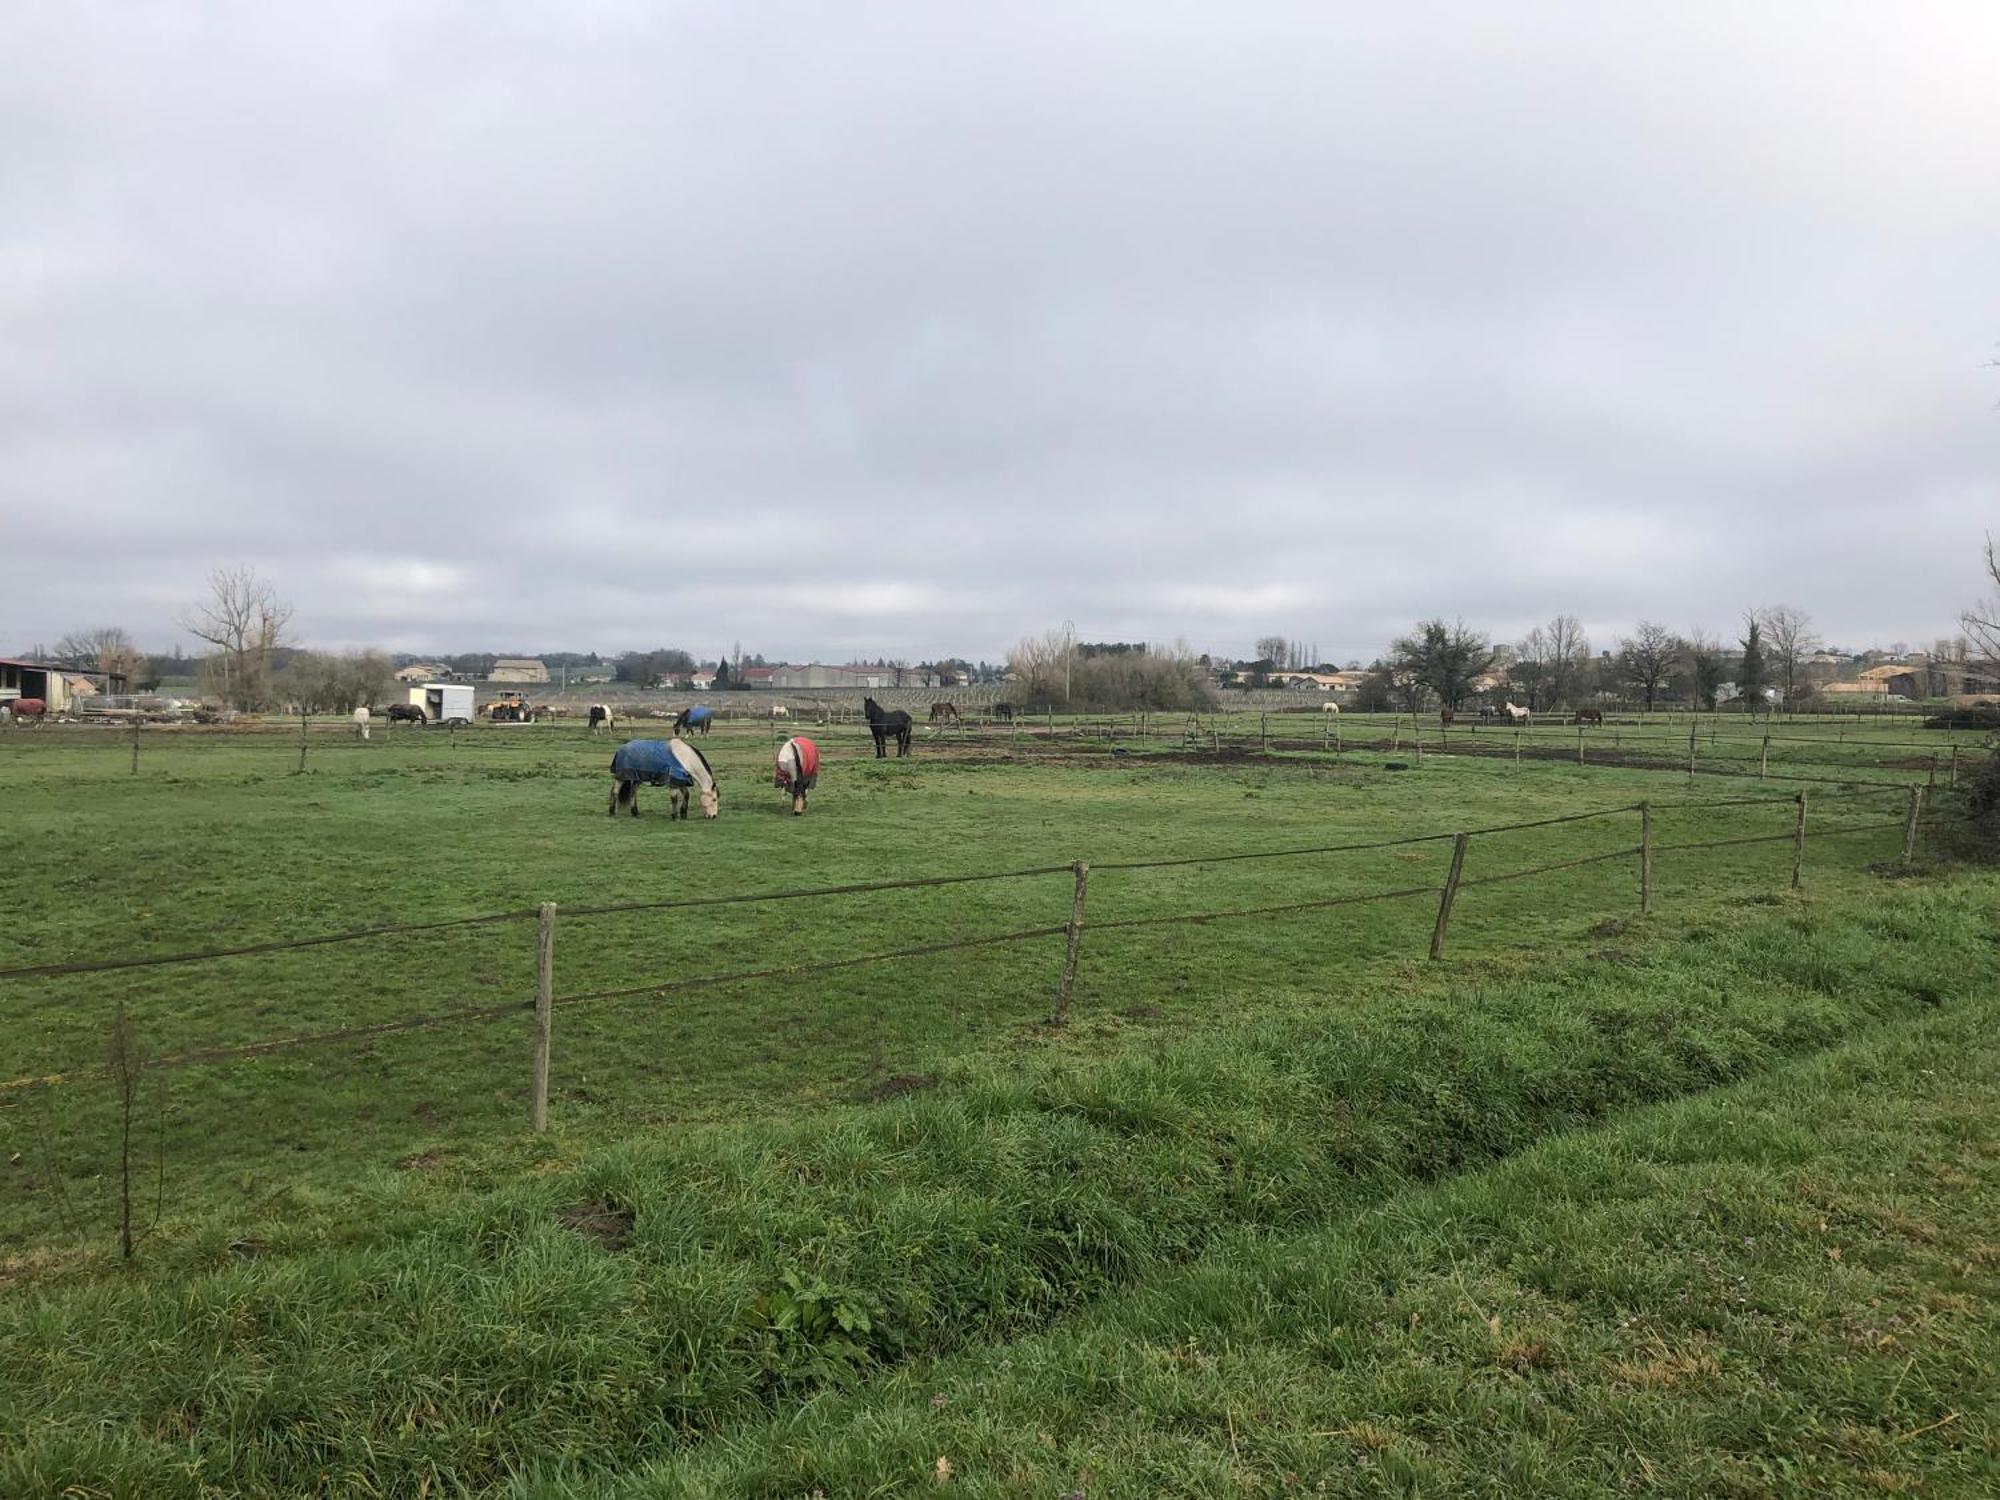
pixel 611 808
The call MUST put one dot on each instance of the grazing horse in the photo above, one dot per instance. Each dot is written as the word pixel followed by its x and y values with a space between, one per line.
pixel 693 720
pixel 779 711
pixel 1329 708
pixel 884 722
pixel 1515 714
pixel 361 722
pixel 1447 717
pixel 798 770
pixel 946 713
pixel 1590 716
pixel 1004 712
pixel 407 713
pixel 673 764
pixel 600 713
pixel 1487 711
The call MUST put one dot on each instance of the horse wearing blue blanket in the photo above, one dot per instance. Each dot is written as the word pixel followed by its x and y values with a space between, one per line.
pixel 673 764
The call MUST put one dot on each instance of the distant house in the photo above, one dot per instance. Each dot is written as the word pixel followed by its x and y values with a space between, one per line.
pixel 1873 690
pixel 518 669
pixel 420 672
pixel 701 681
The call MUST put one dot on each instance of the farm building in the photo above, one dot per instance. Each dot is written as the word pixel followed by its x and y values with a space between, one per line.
pixel 817 675
pixel 55 686
pixel 418 672
pixel 518 669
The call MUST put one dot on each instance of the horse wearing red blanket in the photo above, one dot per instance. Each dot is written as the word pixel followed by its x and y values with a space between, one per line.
pixel 798 770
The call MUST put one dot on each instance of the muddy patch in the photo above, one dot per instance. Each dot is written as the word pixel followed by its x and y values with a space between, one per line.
pixel 899 1084
pixel 602 1219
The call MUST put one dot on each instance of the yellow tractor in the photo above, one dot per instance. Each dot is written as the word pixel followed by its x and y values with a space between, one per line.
pixel 509 708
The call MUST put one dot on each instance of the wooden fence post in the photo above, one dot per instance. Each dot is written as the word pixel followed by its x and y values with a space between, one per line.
pixel 1579 744
pixel 1448 894
pixel 1417 737
pixel 1690 752
pixel 1517 747
pixel 545 1004
pixel 135 743
pixel 1764 757
pixel 1910 824
pixel 302 741
pixel 1952 774
pixel 1075 935
pixel 1799 845
pixel 1645 859
pixel 1263 734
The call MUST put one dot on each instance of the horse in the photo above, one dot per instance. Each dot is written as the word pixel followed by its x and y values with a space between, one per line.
pixel 600 713
pixel 673 764
pixel 1487 711
pixel 407 713
pixel 779 711
pixel 1590 716
pixel 361 722
pixel 1004 712
pixel 1447 717
pixel 946 713
pixel 798 770
pixel 884 722
pixel 1515 714
pixel 1329 708
pixel 693 720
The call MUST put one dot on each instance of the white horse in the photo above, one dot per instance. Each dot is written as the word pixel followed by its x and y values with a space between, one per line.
pixel 600 713
pixel 1329 708
pixel 1513 713
pixel 361 722
pixel 779 711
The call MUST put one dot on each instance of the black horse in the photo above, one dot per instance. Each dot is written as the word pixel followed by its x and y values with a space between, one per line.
pixel 407 713
pixel 1004 712
pixel 884 722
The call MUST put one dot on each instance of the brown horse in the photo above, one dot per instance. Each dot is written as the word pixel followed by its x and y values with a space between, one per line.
pixel 1447 717
pixel 1590 716
pixel 946 713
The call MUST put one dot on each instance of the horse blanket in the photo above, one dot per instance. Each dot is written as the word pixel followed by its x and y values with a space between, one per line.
pixel 698 715
pixel 798 764
pixel 662 763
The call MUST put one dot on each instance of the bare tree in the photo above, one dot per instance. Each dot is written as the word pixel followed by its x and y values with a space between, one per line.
pixel 1789 638
pixel 243 618
pixel 1982 620
pixel 106 649
pixel 1275 649
pixel 1646 658
pixel 1550 662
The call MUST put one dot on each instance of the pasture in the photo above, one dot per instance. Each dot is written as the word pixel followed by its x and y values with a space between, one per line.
pixel 1284 1204
pixel 219 840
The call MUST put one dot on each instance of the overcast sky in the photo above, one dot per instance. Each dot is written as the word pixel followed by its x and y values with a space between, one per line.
pixel 909 329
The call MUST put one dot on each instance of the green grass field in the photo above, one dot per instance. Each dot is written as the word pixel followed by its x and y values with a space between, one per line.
pixel 370 1279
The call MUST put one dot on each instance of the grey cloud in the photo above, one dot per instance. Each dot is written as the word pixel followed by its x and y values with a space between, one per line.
pixel 908 329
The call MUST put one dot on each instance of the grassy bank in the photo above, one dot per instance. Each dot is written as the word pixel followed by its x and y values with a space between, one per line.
pixel 660 1296
pixel 1790 1286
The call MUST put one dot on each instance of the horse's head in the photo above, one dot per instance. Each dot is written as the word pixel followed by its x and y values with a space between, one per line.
pixel 711 802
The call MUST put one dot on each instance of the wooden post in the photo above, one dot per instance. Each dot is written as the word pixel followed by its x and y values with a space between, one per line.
pixel 545 1004
pixel 135 742
pixel 1448 894
pixel 1579 744
pixel 1517 746
pixel 1075 935
pixel 1799 845
pixel 1417 736
pixel 1690 752
pixel 1933 776
pixel 1645 859
pixel 1952 774
pixel 1764 757
pixel 1910 824
pixel 302 741
pixel 1263 734
pixel 1336 734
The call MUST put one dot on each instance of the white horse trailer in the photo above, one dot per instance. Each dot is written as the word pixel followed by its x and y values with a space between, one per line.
pixel 444 702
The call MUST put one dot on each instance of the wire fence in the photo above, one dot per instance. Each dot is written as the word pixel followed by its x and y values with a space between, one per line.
pixel 547 1003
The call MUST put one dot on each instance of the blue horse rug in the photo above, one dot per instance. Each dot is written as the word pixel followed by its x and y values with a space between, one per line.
pixel 661 763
